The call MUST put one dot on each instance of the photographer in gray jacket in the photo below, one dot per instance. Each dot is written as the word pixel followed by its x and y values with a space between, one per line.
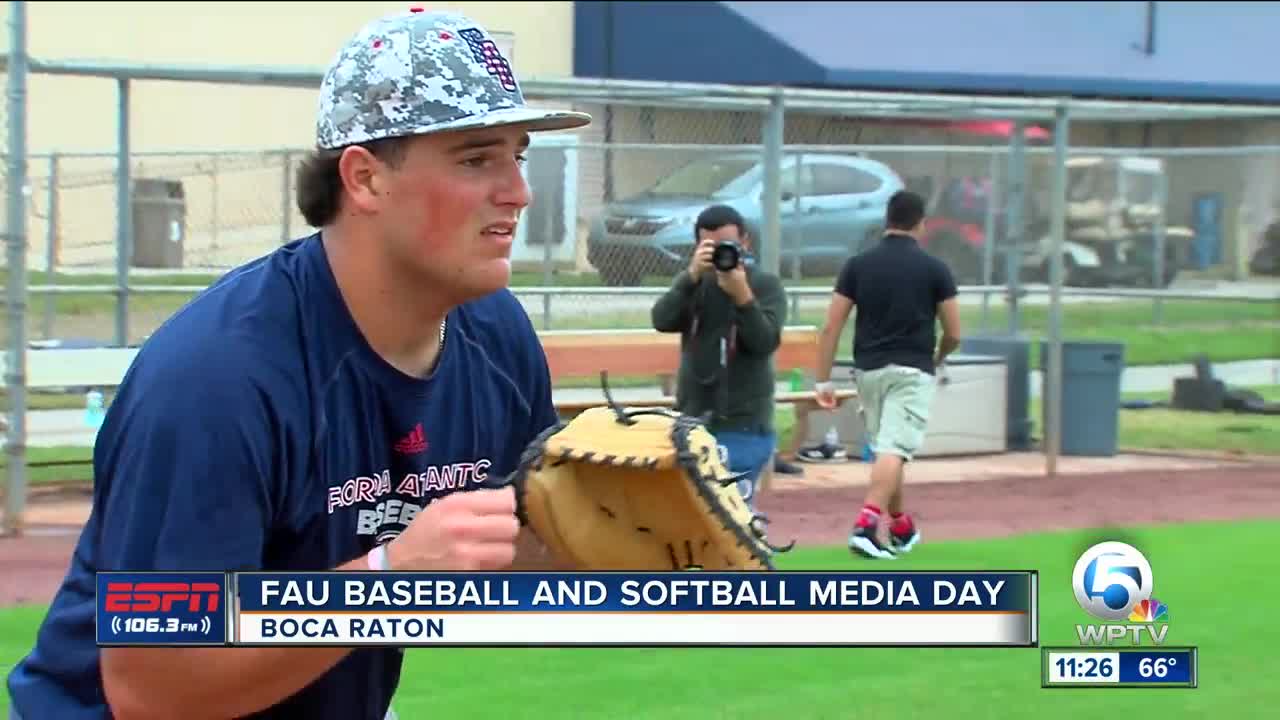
pixel 730 315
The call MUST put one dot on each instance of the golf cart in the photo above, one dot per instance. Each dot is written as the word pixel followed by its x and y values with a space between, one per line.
pixel 1111 216
pixel 1111 213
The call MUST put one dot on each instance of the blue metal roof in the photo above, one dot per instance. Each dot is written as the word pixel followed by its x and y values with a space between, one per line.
pixel 1217 51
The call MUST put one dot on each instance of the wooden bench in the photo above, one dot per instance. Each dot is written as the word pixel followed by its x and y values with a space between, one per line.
pixel 583 353
pixel 801 399
pixel 579 354
pixel 573 354
pixel 54 367
pixel 570 354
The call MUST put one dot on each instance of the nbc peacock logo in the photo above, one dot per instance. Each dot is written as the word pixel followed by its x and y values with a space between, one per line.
pixel 1149 611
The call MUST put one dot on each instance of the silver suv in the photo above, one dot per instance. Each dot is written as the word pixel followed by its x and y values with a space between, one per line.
pixel 831 206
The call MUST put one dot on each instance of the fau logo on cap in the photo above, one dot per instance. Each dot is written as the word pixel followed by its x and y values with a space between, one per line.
pixel 486 53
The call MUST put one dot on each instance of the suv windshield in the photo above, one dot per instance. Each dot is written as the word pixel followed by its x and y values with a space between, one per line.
pixel 704 178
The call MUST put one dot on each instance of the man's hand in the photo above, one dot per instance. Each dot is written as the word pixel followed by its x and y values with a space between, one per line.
pixel 825 392
pixel 473 531
pixel 701 260
pixel 734 283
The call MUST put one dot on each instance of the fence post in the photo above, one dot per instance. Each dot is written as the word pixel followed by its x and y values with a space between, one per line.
pixel 124 213
pixel 1158 240
pixel 51 244
pixel 771 243
pixel 1052 391
pixel 16 201
pixel 989 234
pixel 213 206
pixel 548 274
pixel 1015 229
pixel 286 198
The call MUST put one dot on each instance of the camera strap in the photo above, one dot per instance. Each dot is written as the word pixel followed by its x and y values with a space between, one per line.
pixel 726 348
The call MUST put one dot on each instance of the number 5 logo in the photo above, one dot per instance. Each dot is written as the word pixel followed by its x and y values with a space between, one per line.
pixel 1110 578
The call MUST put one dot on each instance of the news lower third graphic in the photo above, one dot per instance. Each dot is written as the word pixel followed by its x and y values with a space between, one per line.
pixel 162 608
pixel 1113 582
pixel 702 609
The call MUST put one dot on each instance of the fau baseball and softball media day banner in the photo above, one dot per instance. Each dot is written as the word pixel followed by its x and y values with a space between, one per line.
pixel 522 609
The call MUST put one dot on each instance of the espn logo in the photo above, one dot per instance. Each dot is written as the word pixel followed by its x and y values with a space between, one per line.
pixel 124 597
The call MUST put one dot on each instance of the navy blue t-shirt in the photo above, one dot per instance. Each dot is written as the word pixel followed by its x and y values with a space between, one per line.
pixel 257 430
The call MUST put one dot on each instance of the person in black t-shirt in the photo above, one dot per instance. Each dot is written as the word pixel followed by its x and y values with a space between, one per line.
pixel 901 292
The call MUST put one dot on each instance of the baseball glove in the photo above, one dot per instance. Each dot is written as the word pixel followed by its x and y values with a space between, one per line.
pixel 640 490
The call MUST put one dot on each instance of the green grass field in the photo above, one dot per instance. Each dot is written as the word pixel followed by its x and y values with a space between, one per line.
pixel 1231 631
pixel 1167 429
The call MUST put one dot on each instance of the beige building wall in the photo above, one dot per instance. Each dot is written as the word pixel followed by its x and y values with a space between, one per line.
pixel 79 113
pixel 185 131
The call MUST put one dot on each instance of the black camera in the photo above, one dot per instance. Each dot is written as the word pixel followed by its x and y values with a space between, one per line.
pixel 726 255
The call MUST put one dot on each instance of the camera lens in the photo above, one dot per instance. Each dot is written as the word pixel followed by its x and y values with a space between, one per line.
pixel 726 255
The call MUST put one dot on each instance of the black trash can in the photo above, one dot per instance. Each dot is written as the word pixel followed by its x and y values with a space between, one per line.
pixel 1090 417
pixel 1016 351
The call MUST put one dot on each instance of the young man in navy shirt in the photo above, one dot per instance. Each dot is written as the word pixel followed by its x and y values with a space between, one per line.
pixel 348 401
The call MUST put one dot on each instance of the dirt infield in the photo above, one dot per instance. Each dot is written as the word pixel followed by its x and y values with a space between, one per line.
pixel 819 508
pixel 1013 505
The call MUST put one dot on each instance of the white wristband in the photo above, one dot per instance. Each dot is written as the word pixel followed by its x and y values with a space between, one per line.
pixel 378 558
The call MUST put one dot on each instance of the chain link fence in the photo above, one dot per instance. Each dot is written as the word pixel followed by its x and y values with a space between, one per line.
pixel 614 208
pixel 229 208
pixel 5 48
pixel 614 205
pixel 6 12
pixel 624 213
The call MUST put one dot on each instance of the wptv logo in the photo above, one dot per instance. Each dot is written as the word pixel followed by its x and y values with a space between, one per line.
pixel 1113 582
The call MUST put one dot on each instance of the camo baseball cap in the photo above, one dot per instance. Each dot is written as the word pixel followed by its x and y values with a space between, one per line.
pixel 419 72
